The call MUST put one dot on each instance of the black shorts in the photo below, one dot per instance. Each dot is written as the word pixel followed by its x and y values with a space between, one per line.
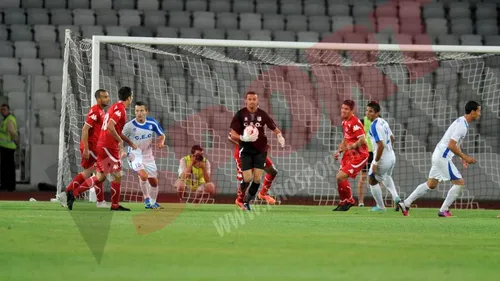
pixel 366 168
pixel 253 160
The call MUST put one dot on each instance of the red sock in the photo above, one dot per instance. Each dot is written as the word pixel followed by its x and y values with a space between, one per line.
pixel 79 179
pixel 268 180
pixel 343 188
pixel 99 192
pixel 115 194
pixel 241 194
pixel 86 185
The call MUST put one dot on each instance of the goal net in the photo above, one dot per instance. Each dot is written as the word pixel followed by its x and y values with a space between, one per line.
pixel 193 88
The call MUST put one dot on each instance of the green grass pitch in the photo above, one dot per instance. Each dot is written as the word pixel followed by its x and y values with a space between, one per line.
pixel 42 241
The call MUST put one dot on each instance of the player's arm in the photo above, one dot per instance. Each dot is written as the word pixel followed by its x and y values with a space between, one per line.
pixel 85 140
pixel 452 145
pixel 342 146
pixel 12 131
pixel 160 143
pixel 186 169
pixel 360 142
pixel 272 126
pixel 206 171
pixel 230 139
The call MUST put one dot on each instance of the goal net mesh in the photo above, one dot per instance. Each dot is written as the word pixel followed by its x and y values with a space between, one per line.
pixel 194 91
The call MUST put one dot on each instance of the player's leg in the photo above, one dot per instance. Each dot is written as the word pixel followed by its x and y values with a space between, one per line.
pixel 152 170
pixel 116 190
pixel 206 188
pixel 376 192
pixel 349 168
pixel 239 178
pixel 259 160
pixel 389 184
pixel 271 173
pixel 458 185
pixel 362 181
pixel 144 185
pixel 247 171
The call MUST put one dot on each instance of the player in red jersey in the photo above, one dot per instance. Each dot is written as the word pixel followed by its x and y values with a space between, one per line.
pixel 355 151
pixel 110 151
pixel 270 170
pixel 88 145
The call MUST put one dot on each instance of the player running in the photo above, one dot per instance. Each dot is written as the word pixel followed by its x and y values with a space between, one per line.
pixel 271 173
pixel 109 151
pixel 355 152
pixel 88 146
pixel 140 130
pixel 443 168
pixel 384 158
pixel 253 148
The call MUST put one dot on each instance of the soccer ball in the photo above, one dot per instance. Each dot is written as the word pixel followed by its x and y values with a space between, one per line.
pixel 251 129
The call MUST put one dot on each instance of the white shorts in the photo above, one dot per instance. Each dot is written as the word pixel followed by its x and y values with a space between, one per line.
pixel 138 163
pixel 443 169
pixel 384 169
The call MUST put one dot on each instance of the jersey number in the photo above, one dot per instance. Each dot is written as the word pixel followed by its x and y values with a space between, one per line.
pixel 105 122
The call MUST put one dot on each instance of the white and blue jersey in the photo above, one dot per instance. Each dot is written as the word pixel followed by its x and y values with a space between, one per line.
pixel 142 135
pixel 443 168
pixel 380 132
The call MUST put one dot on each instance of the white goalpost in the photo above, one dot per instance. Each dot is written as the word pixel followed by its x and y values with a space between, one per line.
pixel 194 86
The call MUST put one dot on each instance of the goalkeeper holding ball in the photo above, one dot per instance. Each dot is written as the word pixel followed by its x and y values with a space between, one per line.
pixel 247 127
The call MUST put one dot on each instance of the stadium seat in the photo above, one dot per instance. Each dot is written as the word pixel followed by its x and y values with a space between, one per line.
pixel 424 39
pixel 172 6
pixel 343 24
pixel 144 5
pixel 436 26
pixel 433 10
pixel 10 4
pixel 43 100
pixel 153 19
pixel 378 38
pixel 471 40
pixel 314 9
pixel 45 33
pixel 338 9
pixel 89 30
pixel 53 66
pixel 55 83
pixel 189 33
pixel 387 10
pixel 15 16
pixel 25 49
pixel 387 25
pixel 203 20
pixel 411 27
pixel 16 99
pixel 125 4
pixel 319 23
pixel 129 18
pixel 459 10
pixel 61 17
pixel 296 23
pixel 291 7
pixel 273 22
pixel 243 7
pixel 16 83
pixel 4 33
pixel 492 40
pixel 250 21
pixel 227 21
pixel 358 38
pixel 116 31
pixel 282 35
pixel 179 19
pixel 219 6
pixel 31 4
pixel 83 17
pixel 461 26
pixel 486 11
pixel 38 16
pixel 6 49
pixel 107 17
pixel 196 5
pixel 266 7
pixel 97 5
pixel 487 27
pixel 55 4
pixel 78 4
pixel 51 135
pixel 363 9
pixel 140 31
pixel 307 36
pixel 58 101
pixel 214 34
pixel 40 83
pixel 20 114
pixel 31 66
pixel 260 35
pixel 167 32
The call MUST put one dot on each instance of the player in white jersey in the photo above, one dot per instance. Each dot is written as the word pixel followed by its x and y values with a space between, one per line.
pixel 384 159
pixel 443 168
pixel 140 131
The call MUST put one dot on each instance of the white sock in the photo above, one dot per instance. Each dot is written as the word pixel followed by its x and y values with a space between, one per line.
pixel 417 193
pixel 451 197
pixel 389 184
pixel 377 195
pixel 145 188
pixel 153 192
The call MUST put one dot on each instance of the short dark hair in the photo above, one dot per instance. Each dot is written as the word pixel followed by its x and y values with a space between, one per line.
pixel 141 103
pixel 97 93
pixel 471 106
pixel 196 147
pixel 124 93
pixel 250 93
pixel 374 105
pixel 5 105
pixel 349 103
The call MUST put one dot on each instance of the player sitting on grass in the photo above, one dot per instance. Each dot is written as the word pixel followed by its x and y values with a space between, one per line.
pixel 443 168
pixel 384 161
pixel 141 131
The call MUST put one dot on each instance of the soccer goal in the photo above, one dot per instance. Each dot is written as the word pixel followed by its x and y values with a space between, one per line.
pixel 194 86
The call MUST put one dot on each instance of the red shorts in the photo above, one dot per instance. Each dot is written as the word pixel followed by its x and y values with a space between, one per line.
pixel 91 162
pixel 239 173
pixel 108 160
pixel 352 164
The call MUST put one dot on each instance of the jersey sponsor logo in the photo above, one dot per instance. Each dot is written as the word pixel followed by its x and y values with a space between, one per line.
pixel 143 137
pixel 257 124
pixel 118 113
pixel 93 117
pixel 259 118
pixel 355 128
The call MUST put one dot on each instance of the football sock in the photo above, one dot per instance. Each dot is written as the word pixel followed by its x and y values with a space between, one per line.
pixel 86 185
pixel 451 197
pixel 144 188
pixel 377 195
pixel 344 190
pixel 268 180
pixel 115 194
pixel 417 193
pixel 389 184
pixel 252 190
pixel 79 179
pixel 153 193
pixel 99 191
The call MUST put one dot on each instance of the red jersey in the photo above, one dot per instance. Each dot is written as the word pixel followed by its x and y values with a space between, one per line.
pixel 117 114
pixel 94 121
pixel 353 129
